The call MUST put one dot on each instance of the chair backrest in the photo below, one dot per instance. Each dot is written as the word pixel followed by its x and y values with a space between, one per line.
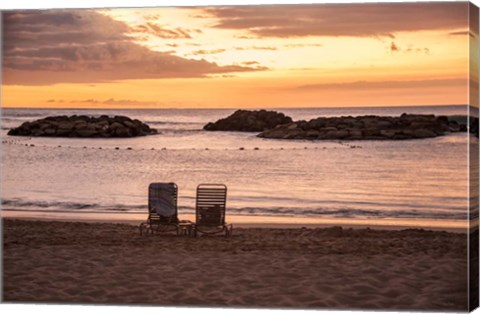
pixel 210 204
pixel 162 202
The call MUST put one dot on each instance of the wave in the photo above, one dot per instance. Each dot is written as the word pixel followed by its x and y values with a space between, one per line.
pixel 157 122
pixel 18 204
pixel 19 114
pixel 346 213
pixel 339 212
pixel 179 131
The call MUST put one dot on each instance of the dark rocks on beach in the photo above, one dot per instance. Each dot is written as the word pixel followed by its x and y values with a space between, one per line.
pixel 249 121
pixel 407 126
pixel 84 126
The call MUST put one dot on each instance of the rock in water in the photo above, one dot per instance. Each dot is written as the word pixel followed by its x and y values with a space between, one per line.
pixel 83 126
pixel 407 126
pixel 249 121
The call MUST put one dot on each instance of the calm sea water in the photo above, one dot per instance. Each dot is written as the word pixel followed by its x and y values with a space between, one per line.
pixel 368 179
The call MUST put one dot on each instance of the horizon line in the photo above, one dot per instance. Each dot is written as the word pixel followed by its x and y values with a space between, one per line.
pixel 231 108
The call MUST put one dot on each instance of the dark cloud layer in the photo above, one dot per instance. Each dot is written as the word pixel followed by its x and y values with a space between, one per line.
pixel 341 19
pixel 65 46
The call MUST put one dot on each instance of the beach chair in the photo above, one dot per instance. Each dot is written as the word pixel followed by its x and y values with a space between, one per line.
pixel 210 210
pixel 162 209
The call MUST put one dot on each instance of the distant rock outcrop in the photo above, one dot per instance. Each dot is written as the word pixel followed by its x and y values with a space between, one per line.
pixel 84 126
pixel 249 121
pixel 407 126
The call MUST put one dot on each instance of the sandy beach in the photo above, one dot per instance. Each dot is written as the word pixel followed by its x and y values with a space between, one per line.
pixel 336 268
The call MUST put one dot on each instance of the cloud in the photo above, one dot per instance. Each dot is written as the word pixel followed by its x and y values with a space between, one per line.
pixel 158 31
pixel 256 48
pixel 376 85
pixel 245 37
pixel 36 29
pixel 395 48
pixel 472 32
pixel 418 50
pixel 83 46
pixel 459 33
pixel 130 102
pixel 116 102
pixel 263 48
pixel 208 52
pixel 302 45
pixel 151 17
pixel 163 32
pixel 362 20
pixel 90 100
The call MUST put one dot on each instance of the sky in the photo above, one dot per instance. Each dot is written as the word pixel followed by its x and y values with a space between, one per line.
pixel 270 56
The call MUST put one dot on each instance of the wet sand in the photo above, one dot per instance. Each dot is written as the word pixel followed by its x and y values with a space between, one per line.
pixel 336 268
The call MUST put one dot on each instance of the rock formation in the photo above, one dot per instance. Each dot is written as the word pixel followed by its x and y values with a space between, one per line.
pixel 249 121
pixel 84 126
pixel 407 126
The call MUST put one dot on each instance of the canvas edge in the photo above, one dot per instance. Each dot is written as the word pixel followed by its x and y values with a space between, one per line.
pixel 473 161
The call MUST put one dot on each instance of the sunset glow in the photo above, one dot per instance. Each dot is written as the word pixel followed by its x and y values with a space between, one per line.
pixel 238 57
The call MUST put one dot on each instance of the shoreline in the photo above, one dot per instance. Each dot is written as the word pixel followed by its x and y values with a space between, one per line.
pixel 245 221
pixel 317 268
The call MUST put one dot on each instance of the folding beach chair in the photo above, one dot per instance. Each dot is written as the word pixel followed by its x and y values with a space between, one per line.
pixel 210 210
pixel 162 208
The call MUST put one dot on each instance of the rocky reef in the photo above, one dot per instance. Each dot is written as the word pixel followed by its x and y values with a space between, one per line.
pixel 249 121
pixel 84 126
pixel 407 126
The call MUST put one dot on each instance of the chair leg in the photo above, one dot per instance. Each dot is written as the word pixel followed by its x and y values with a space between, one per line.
pixel 228 230
pixel 141 227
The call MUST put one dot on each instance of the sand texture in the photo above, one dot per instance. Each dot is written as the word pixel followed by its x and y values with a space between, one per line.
pixel 96 263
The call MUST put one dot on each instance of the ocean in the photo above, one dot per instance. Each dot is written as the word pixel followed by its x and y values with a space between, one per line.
pixel 405 180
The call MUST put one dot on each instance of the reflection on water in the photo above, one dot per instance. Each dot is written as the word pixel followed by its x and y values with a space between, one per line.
pixel 268 178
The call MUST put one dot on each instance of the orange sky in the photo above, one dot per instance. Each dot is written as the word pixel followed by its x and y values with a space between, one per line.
pixel 238 56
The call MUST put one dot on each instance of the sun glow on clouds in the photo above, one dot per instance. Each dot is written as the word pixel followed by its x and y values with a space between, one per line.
pixel 224 57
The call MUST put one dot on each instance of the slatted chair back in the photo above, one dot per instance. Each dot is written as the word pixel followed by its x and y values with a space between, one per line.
pixel 210 205
pixel 162 203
